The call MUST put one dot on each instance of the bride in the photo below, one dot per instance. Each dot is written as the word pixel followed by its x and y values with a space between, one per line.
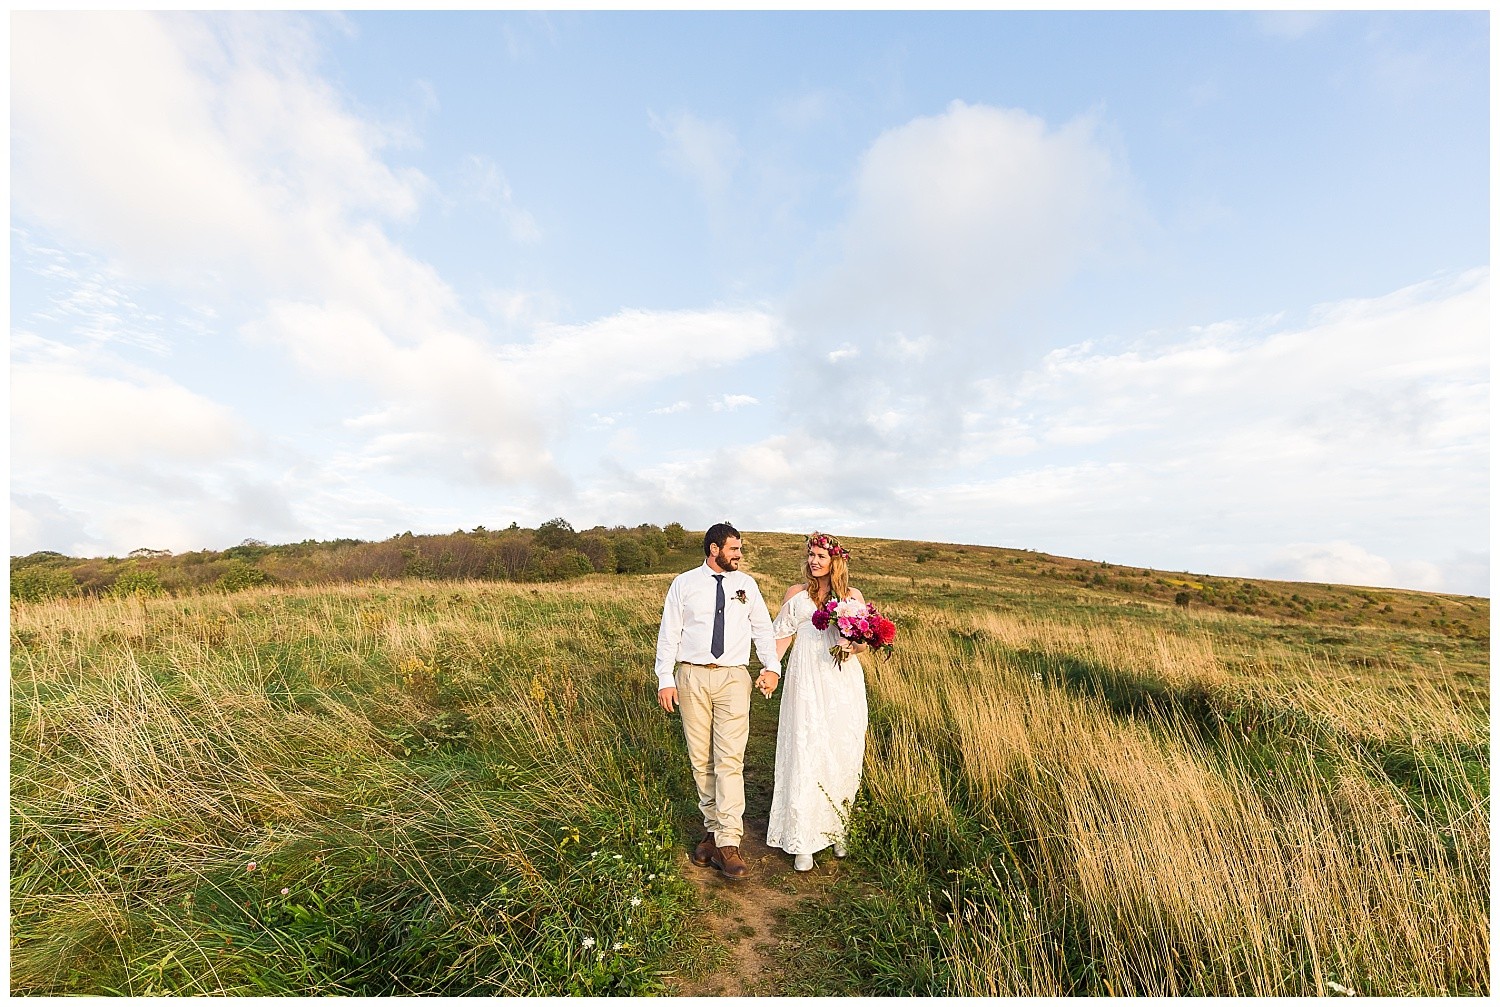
pixel 820 739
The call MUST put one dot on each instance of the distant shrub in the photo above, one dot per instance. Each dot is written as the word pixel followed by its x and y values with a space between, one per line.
pixel 241 575
pixel 448 557
pixel 599 550
pixel 370 561
pixel 39 583
pixel 513 557
pixel 1183 599
pixel 556 534
pixel 32 559
pixel 251 549
pixel 564 565
pixel 631 556
pixel 654 540
pixel 139 582
pixel 676 535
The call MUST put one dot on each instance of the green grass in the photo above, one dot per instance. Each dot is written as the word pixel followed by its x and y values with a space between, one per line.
pixel 1071 788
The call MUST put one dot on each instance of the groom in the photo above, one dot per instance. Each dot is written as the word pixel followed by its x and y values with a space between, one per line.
pixel 710 616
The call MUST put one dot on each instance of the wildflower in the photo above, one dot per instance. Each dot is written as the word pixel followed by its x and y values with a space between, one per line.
pixel 618 945
pixel 588 942
pixel 635 901
pixel 286 891
pixel 619 856
pixel 651 877
pixel 1341 988
pixel 250 866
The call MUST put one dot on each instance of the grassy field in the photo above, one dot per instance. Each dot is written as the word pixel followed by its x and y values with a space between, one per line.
pixel 1075 784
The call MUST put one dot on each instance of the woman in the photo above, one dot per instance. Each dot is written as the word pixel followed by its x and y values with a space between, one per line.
pixel 820 739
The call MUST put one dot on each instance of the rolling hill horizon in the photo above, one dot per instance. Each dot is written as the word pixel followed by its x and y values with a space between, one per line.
pixel 556 551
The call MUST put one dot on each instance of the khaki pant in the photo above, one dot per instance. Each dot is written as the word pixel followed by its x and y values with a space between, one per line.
pixel 715 705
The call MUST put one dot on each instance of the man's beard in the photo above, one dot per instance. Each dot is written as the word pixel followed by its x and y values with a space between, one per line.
pixel 725 563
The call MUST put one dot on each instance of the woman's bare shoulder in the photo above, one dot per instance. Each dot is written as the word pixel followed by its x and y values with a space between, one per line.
pixel 793 591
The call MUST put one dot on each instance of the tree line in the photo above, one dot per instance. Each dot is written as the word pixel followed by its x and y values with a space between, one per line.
pixel 552 551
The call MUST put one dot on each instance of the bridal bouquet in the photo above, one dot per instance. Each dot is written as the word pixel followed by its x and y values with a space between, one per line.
pixel 857 622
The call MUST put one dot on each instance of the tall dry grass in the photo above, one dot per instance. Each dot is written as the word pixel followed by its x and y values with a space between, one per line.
pixel 1059 798
pixel 424 773
pixel 1114 829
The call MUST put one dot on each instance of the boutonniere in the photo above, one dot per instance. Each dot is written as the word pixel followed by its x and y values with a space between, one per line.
pixel 739 596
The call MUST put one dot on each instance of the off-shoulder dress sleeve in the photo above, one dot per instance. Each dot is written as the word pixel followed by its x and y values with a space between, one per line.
pixel 788 619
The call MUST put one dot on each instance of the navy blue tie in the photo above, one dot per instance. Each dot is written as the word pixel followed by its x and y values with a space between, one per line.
pixel 717 646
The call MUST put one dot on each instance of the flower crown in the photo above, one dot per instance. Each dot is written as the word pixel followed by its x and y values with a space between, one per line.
pixel 827 543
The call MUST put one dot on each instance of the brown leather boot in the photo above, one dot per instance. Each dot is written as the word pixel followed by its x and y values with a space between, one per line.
pixel 703 853
pixel 729 862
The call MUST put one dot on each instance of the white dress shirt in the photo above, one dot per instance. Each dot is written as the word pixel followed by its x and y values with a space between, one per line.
pixel 687 624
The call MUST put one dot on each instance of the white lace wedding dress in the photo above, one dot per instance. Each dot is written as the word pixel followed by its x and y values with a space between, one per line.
pixel 820 738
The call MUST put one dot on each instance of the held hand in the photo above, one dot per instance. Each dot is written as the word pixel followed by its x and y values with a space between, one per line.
pixel 667 697
pixel 766 682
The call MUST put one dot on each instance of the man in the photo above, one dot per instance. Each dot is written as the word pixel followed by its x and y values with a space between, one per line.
pixel 702 651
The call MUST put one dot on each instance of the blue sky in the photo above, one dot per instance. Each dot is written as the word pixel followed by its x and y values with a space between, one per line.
pixel 1194 291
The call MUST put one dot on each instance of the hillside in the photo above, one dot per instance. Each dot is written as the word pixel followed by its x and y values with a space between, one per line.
pixel 556 552
pixel 1073 785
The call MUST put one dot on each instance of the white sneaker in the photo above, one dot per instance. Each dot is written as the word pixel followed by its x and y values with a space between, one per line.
pixel 804 862
pixel 840 851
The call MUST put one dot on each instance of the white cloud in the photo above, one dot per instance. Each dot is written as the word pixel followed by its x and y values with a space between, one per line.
pixel 95 303
pixel 1346 563
pixel 676 407
pixel 807 109
pixel 485 412
pixel 632 347
pixel 519 309
pixel 729 403
pixel 191 150
pixel 901 348
pixel 209 153
pixel 1389 376
pixel 960 215
pixel 1368 420
pixel 62 409
pixel 958 221
pixel 1290 25
pixel 485 182
pixel 778 483
pixel 39 521
pixel 1242 449
pixel 703 151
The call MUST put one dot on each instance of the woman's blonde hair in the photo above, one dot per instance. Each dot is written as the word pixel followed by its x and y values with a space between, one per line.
pixel 838 568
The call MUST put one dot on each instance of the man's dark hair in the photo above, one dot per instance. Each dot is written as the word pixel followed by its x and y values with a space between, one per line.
pixel 718 535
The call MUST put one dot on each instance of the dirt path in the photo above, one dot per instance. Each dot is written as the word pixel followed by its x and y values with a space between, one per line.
pixel 748 916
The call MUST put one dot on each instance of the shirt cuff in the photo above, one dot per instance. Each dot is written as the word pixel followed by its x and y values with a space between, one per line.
pixel 665 680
